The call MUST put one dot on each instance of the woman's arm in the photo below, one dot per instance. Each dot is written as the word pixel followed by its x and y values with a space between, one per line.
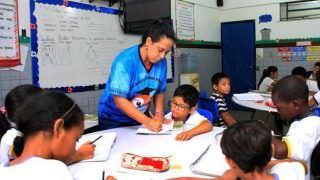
pixel 128 108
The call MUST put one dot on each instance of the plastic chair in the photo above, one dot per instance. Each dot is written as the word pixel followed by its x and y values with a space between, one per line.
pixel 203 94
pixel 207 114
pixel 209 105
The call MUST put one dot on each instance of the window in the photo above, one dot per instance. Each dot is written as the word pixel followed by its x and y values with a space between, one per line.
pixel 299 10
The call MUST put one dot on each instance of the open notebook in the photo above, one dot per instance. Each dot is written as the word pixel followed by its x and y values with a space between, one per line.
pixel 166 129
pixel 211 162
pixel 103 145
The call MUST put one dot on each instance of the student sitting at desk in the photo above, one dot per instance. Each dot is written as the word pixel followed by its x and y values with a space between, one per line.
pixel 290 97
pixel 249 156
pixel 315 70
pixel 183 108
pixel 221 86
pixel 49 125
pixel 13 101
pixel 268 79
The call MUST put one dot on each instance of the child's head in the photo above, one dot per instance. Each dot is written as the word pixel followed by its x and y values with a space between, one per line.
pixel 55 118
pixel 316 68
pixel 184 101
pixel 17 96
pixel 247 146
pixel 300 72
pixel 220 83
pixel 290 96
pixel 14 99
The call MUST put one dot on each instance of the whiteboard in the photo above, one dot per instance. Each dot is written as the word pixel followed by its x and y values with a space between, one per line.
pixel 75 47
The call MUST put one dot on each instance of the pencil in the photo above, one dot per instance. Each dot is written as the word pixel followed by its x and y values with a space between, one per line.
pixel 95 139
pixel 103 175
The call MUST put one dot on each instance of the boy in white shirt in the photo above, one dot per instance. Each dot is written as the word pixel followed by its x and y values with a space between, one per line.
pixel 290 96
pixel 183 108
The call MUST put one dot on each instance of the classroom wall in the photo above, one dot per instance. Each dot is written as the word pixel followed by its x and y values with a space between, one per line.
pixel 206 19
pixel 271 58
pixel 236 10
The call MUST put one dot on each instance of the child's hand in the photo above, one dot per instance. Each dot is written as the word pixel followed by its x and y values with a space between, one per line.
pixel 184 136
pixel 154 125
pixel 86 151
pixel 167 121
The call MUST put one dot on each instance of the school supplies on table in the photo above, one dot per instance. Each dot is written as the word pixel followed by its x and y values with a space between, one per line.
pixel 249 97
pixel 154 164
pixel 166 129
pixel 103 142
pixel 206 163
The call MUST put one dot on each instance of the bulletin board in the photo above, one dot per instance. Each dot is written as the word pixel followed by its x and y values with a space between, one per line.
pixel 73 44
pixel 9 34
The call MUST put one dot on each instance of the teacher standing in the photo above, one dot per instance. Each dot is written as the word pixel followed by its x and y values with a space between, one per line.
pixel 138 75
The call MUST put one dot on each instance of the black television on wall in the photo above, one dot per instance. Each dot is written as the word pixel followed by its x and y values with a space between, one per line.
pixel 138 14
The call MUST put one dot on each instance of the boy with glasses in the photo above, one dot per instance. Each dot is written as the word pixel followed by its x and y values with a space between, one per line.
pixel 183 108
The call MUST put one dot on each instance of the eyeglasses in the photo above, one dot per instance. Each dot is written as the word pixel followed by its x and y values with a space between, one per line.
pixel 178 107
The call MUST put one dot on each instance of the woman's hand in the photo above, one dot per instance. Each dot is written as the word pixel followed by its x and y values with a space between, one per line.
pixel 154 125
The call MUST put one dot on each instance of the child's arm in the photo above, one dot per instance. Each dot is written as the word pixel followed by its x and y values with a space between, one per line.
pixel 227 118
pixel 203 127
pixel 280 148
pixel 85 151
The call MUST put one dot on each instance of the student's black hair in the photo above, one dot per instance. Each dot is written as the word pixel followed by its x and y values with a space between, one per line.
pixel 317 64
pixel 318 79
pixel 315 162
pixel 299 71
pixel 267 73
pixel 215 79
pixel 157 30
pixel 291 88
pixel 189 94
pixel 40 112
pixel 14 99
pixel 248 144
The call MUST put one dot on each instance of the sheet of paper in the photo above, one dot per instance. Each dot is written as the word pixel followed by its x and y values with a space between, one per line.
pixel 24 53
pixel 166 129
pixel 249 97
pixel 103 145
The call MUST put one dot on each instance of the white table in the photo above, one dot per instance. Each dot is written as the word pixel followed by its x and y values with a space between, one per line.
pixel 257 105
pixel 183 154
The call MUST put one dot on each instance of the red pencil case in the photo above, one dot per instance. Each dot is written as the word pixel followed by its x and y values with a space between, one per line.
pixel 154 164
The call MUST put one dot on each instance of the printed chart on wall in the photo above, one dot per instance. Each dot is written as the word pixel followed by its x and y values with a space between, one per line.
pixel 9 34
pixel 74 44
pixel 185 20
pixel 299 53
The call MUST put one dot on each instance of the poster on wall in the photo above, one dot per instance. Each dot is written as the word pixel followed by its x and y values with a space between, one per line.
pixel 285 53
pixel 298 53
pixel 313 53
pixel 9 34
pixel 185 20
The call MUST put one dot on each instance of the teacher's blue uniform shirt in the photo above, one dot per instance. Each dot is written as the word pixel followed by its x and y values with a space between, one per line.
pixel 130 79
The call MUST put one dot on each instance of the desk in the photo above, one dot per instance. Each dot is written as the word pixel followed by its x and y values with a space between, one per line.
pixel 183 153
pixel 255 105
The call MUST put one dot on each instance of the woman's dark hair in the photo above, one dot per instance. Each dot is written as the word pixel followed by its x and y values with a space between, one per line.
pixel 267 73
pixel 248 144
pixel 40 112
pixel 189 94
pixel 215 79
pixel 157 30
pixel 14 100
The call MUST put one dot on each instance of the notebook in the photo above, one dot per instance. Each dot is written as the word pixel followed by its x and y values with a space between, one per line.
pixel 166 129
pixel 103 145
pixel 249 97
pixel 211 162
